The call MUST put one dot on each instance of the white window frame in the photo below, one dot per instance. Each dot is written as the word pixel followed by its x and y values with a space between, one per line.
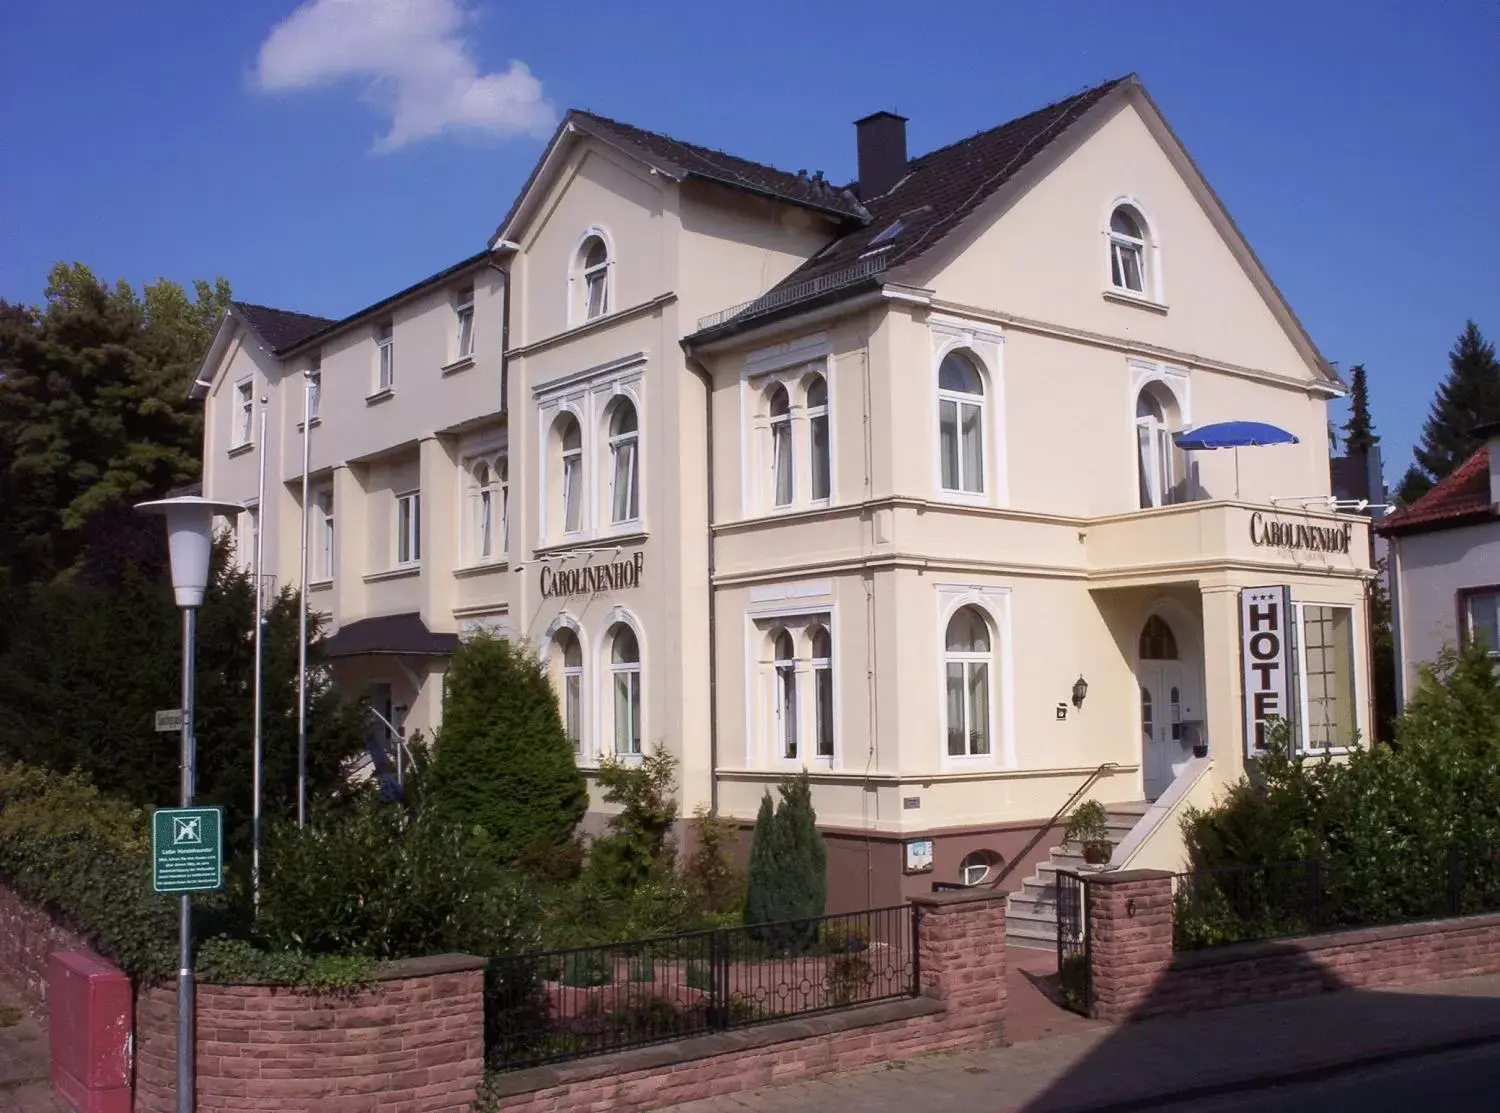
pixel 1154 452
pixel 985 349
pixel 463 320
pixel 619 445
pixel 970 880
pixel 579 278
pixel 1123 249
pixel 327 562
pixel 409 534
pixel 385 357
pixel 1467 597
pixel 780 426
pixel 571 465
pixel 788 702
pixel 1148 246
pixel 572 677
pixel 636 688
pixel 315 397
pixel 1304 724
pixel 961 400
pixel 244 413
pixel 994 601
pixel 969 661
pixel 814 414
pixel 766 676
pixel 822 667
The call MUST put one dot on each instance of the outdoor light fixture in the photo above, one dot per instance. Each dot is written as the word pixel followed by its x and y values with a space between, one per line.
pixel 1080 690
pixel 190 535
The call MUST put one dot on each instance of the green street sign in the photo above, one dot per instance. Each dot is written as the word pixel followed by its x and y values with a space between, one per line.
pixel 187 849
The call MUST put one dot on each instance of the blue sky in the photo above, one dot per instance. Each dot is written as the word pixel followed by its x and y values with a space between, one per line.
pixel 328 164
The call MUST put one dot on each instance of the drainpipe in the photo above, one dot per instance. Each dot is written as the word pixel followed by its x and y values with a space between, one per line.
pixel 695 366
pixel 504 245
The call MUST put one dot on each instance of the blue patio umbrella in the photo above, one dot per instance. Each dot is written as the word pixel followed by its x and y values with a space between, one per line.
pixel 1235 435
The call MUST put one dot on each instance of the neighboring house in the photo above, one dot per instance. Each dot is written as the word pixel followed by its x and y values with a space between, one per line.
pixel 1444 565
pixel 876 481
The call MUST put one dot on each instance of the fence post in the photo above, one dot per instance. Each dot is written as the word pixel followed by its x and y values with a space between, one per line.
pixel 718 964
pixel 916 950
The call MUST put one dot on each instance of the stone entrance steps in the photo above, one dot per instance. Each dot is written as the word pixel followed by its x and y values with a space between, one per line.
pixel 1031 911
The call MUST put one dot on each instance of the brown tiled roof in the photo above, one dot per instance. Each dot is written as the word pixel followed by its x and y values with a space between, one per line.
pixel 281 328
pixel 944 186
pixel 691 160
pixel 1460 499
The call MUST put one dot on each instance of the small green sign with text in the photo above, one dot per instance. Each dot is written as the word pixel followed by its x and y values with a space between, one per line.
pixel 187 850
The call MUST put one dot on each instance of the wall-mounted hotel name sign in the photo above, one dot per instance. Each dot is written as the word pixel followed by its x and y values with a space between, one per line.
pixel 1272 533
pixel 591 579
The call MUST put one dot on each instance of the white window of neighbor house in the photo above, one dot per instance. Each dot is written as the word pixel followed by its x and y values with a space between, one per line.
pixel 1479 609
pixel 385 360
pixel 1127 250
pixel 326 556
pixel 625 686
pixel 463 310
pixel 787 735
pixel 624 451
pixel 244 413
pixel 314 390
pixel 968 665
pixel 822 672
pixel 1326 677
pixel 572 686
pixel 817 430
pixel 408 528
pixel 783 484
pixel 961 424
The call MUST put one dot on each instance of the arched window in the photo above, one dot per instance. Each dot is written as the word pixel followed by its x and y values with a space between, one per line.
pixel 961 424
pixel 593 261
pixel 1158 643
pixel 625 682
pixel 1127 250
pixel 624 451
pixel 782 485
pixel 786 695
pixel 976 867
pixel 483 499
pixel 572 686
pixel 817 427
pixel 967 662
pixel 502 470
pixel 1153 450
pixel 822 671
pixel 570 438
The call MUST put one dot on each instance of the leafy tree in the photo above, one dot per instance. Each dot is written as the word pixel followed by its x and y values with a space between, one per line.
pixel 788 865
pixel 90 658
pixel 503 760
pixel 639 847
pixel 716 882
pixel 1468 397
pixel 94 411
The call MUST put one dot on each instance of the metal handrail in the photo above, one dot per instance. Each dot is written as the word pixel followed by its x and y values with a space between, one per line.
pixel 872 264
pixel 1041 833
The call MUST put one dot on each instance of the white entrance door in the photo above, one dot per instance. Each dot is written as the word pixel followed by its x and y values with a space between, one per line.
pixel 1164 749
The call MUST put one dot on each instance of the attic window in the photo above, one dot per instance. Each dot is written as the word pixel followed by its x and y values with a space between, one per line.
pixel 889 234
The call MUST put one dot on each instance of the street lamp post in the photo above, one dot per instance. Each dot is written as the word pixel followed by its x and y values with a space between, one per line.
pixel 190 524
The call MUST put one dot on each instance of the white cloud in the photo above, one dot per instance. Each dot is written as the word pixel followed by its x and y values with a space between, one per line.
pixel 414 61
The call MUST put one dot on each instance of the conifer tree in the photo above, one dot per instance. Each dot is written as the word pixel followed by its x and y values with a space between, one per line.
pixel 788 881
pixel 1359 430
pixel 1468 397
pixel 502 759
pixel 762 883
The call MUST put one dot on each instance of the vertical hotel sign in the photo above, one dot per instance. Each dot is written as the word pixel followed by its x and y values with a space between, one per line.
pixel 1265 660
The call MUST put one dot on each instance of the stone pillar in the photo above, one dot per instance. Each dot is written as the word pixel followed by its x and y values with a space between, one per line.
pixel 1130 940
pixel 961 955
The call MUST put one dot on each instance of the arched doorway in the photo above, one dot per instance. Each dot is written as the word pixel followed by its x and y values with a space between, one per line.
pixel 1167 687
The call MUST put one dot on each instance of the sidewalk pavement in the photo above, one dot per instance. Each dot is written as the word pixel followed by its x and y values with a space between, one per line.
pixel 23 1059
pixel 1142 1066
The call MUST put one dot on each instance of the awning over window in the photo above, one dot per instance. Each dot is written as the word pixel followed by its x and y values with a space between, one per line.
pixel 404 635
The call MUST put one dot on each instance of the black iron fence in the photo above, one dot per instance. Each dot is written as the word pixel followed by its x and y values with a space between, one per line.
pixel 1074 960
pixel 550 1006
pixel 1279 900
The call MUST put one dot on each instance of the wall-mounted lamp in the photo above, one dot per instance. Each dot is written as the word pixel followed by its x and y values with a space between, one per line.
pixel 1080 690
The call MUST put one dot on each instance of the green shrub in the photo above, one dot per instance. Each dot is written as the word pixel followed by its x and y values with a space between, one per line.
pixel 788 868
pixel 716 882
pixel 503 761
pixel 384 883
pixel 639 848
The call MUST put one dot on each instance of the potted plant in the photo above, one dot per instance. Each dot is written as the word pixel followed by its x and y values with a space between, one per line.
pixel 1088 826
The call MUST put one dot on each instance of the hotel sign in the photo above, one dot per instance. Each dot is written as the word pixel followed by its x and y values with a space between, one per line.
pixel 591 579
pixel 1265 660
pixel 1272 533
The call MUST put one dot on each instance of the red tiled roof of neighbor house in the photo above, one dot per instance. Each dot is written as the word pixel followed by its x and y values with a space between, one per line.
pixel 1460 499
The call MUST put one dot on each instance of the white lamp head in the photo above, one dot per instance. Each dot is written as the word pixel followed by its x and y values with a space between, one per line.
pixel 190 535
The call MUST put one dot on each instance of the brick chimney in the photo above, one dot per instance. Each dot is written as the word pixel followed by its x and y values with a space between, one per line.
pixel 882 152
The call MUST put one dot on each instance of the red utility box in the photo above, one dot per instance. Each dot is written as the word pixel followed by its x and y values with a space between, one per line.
pixel 88 1020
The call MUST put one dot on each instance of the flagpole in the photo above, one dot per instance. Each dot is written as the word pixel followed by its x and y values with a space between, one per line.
pixel 302 609
pixel 260 622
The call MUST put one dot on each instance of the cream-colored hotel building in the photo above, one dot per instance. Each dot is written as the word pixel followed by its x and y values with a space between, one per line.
pixel 877 481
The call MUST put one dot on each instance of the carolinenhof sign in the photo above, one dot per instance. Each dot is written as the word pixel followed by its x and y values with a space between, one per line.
pixel 593 578
pixel 1265 659
pixel 1276 534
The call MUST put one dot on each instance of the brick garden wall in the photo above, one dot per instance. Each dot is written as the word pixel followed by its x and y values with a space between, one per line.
pixel 1137 974
pixel 961 949
pixel 28 936
pixel 412 1044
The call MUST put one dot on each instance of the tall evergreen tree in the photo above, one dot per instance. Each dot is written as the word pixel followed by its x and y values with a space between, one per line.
pixel 788 882
pixel 762 881
pixel 1468 397
pixel 94 410
pixel 1359 430
pixel 502 760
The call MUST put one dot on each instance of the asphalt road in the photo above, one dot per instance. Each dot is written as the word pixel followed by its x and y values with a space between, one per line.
pixel 1455 1082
